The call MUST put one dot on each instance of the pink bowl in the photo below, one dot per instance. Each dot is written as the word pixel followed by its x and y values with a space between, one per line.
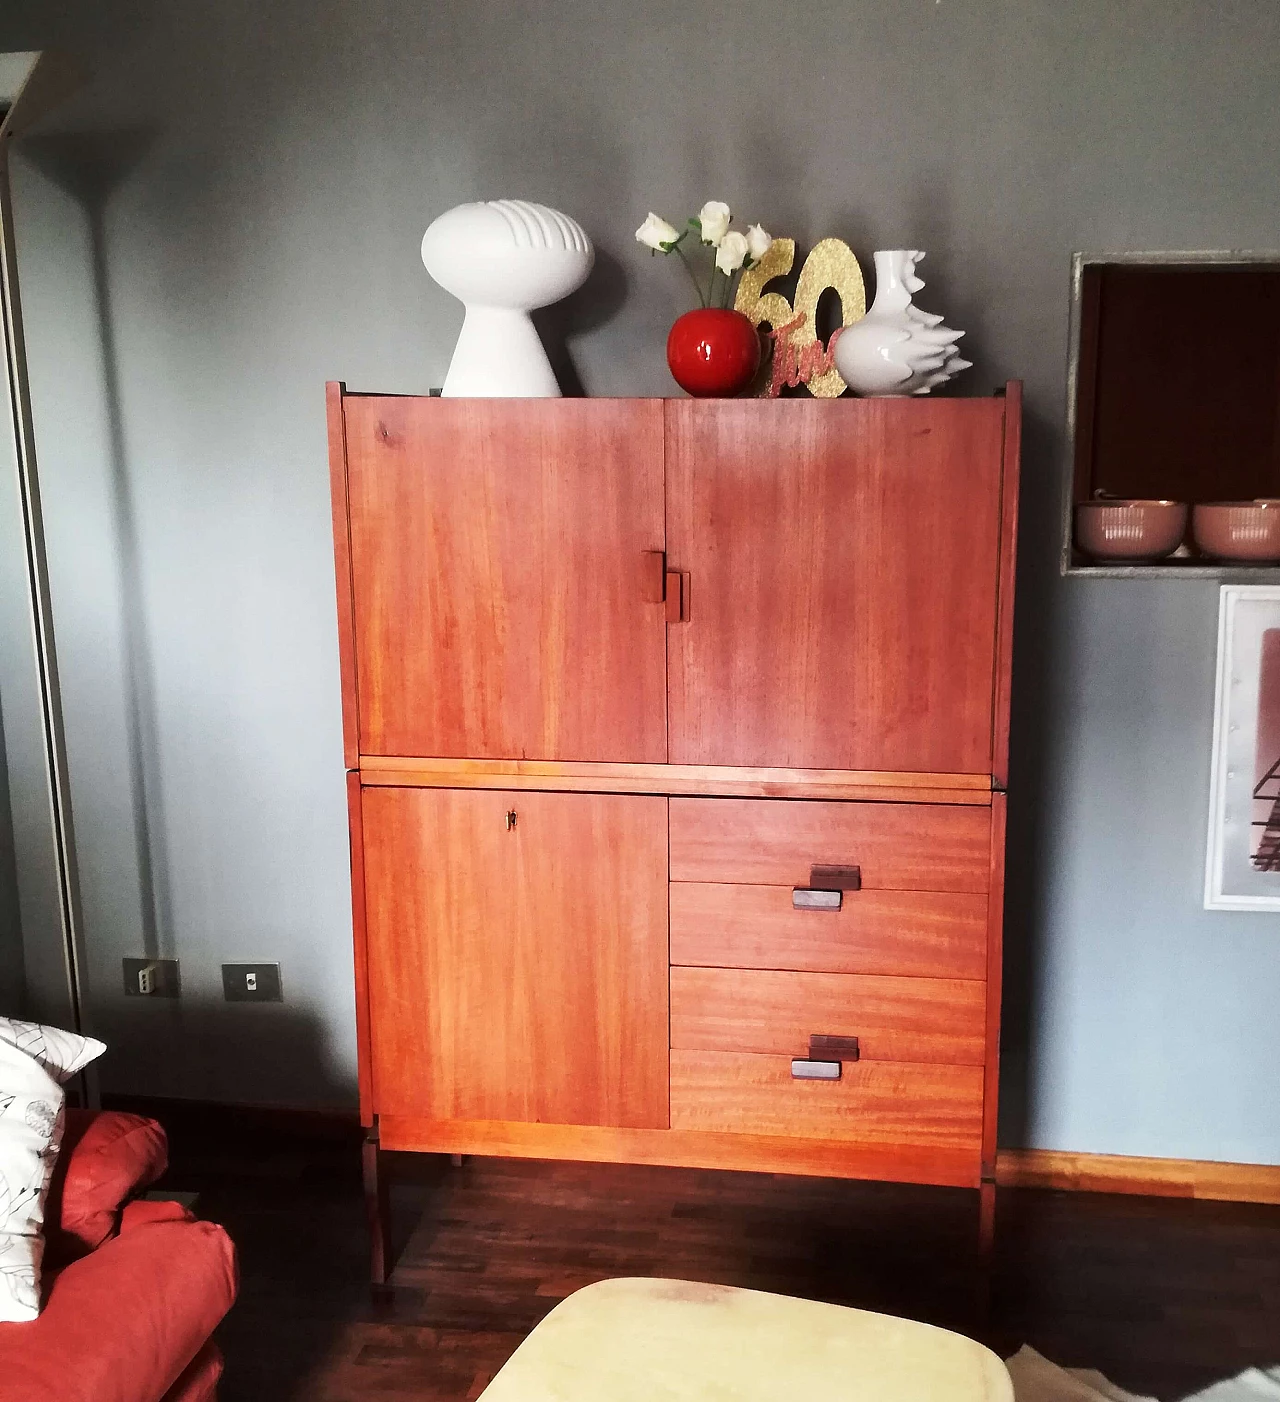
pixel 1238 530
pixel 1130 530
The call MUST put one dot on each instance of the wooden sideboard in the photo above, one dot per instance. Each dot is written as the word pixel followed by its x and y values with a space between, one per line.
pixel 676 736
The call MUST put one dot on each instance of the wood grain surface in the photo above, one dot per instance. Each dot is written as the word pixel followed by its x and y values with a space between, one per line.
pixel 1010 482
pixel 579 775
pixel 842 561
pixel 939 934
pixel 360 947
pixel 874 1102
pixel 517 972
pixel 775 1013
pixel 898 846
pixel 994 986
pixel 501 563
pixel 823 1157
pixel 337 431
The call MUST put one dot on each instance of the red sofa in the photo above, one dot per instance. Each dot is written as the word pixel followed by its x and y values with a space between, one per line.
pixel 132 1289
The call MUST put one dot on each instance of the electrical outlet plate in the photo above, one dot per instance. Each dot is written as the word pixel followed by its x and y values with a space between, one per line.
pixel 152 978
pixel 251 983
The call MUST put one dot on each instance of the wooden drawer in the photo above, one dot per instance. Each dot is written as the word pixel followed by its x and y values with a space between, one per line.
pixel 774 842
pixel 938 934
pixel 874 1102
pixel 762 1011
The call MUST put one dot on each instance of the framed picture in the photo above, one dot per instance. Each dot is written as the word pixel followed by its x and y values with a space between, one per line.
pixel 1242 870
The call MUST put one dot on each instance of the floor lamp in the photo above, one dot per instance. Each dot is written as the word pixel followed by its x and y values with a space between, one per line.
pixel 30 84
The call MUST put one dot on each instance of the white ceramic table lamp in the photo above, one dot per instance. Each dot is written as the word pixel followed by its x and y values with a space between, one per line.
pixel 502 259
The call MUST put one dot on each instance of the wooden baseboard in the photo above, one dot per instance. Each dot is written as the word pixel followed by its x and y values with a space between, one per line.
pixel 1117 1173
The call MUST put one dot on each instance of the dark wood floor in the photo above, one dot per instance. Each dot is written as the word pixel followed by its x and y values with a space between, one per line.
pixel 1164 1296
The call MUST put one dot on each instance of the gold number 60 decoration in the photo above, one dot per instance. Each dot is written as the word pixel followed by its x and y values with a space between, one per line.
pixel 797 352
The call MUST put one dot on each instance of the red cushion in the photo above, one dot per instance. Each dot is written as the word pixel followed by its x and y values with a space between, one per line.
pixel 123 1323
pixel 139 1213
pixel 105 1158
pixel 199 1383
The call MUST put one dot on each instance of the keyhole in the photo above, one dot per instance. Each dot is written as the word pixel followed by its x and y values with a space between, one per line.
pixel 511 819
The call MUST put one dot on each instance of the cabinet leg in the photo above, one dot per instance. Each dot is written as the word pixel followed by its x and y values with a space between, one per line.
pixel 377 1201
pixel 986 1254
pixel 986 1220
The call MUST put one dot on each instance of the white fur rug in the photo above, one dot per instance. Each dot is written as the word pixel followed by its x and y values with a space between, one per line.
pixel 1035 1379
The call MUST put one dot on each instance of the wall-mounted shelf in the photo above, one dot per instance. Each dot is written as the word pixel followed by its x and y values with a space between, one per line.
pixel 1173 393
pixel 1167 569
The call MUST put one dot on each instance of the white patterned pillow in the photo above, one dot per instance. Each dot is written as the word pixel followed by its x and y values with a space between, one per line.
pixel 34 1062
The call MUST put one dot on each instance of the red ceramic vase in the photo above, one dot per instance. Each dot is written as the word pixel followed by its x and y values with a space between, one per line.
pixel 713 353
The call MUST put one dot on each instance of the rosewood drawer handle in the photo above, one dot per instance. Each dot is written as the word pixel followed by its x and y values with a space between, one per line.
pixel 826 1058
pixel 836 878
pixel 802 1070
pixel 812 898
pixel 826 888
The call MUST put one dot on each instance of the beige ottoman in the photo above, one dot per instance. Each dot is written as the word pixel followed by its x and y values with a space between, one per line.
pixel 675 1341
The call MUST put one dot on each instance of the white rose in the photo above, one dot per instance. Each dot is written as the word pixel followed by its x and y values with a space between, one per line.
pixel 758 242
pixel 714 217
pixel 656 233
pixel 732 252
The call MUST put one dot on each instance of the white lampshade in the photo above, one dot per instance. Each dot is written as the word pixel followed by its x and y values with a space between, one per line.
pixel 502 259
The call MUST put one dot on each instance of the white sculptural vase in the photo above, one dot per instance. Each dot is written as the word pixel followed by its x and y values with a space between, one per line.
pixel 503 259
pixel 896 348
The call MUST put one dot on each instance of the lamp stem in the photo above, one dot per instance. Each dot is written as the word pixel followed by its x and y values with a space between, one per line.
pixel 39 602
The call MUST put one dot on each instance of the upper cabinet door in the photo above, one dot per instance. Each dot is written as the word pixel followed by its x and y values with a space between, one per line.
pixel 506 577
pixel 841 560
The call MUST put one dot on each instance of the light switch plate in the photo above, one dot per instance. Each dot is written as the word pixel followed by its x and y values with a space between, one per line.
pixel 251 983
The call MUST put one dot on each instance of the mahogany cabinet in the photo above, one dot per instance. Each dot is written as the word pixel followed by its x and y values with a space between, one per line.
pixel 676 736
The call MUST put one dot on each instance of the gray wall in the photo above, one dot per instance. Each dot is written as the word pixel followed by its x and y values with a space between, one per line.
pixel 258 178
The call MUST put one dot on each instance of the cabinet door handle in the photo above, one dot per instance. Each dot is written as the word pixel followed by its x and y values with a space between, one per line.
pixel 677 596
pixel 655 576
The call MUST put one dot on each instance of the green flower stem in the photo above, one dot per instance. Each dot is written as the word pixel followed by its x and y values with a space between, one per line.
pixel 675 248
